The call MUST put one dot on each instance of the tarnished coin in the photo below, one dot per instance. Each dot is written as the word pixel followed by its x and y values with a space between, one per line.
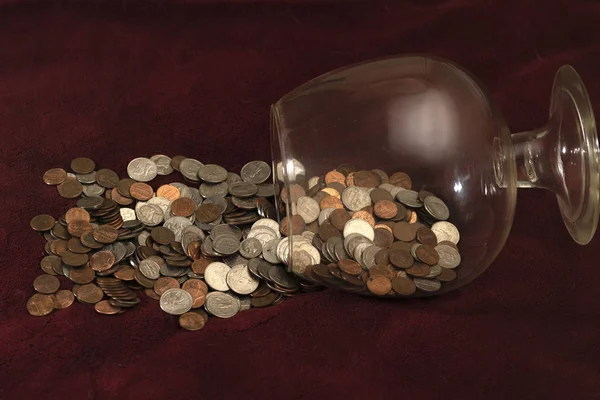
pixel 222 305
pixel 39 304
pixel 46 284
pixel 215 276
pixel 191 321
pixel 409 198
pixel 212 173
pixel 55 176
pixel 83 165
pixel 142 169
pixel 70 188
pixel 449 257
pixel 207 212
pixel 356 198
pixel 428 285
pixel 255 172
pixel 250 248
pixel 436 208
pixel 241 281
pixel 42 223
pixel 176 301
pixel 445 231
pixel 63 299
pixel 107 178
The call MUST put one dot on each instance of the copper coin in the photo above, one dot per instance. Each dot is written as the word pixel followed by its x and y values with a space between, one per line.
pixel 384 270
pixel 293 225
pixel 102 260
pixel 162 235
pixel 74 259
pixel 60 232
pixel 207 212
pixel 107 178
pixel 419 269
pixel 198 296
pixel 124 185
pixel 264 301
pixel 83 165
pixel 379 194
pixel 327 231
pixel 104 307
pixel 385 209
pixel 331 202
pixel 379 285
pixel 117 198
pixel 105 234
pixel 168 192
pixel 78 228
pixel 82 275
pixel 383 237
pixel 201 313
pixel 58 247
pixel 125 273
pixel 194 250
pixel 150 293
pixel 447 275
pixel 423 194
pixel 365 216
pixel 64 298
pixel 401 179
pixel 141 191
pixel 74 245
pixel 195 284
pixel 55 176
pixel 70 188
pixel 350 267
pixel 175 161
pixel 367 179
pixel 49 263
pixel 339 217
pixel 77 214
pixel 296 191
pixel 142 280
pixel 403 286
pixel 87 239
pixel 404 231
pixel 401 258
pixel 426 236
pixel 382 257
pixel 164 283
pixel 42 223
pixel 347 169
pixel 46 284
pixel 332 192
pixel 39 304
pixel 183 207
pixel 335 176
pixel 413 218
pixel 427 254
pixel 350 179
pixel 199 265
pixel 191 321
pixel 90 293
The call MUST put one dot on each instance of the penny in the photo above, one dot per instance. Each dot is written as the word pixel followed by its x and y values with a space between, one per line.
pixel 367 179
pixel 77 214
pixel 404 231
pixel 426 236
pixel 400 179
pixel 165 283
pixel 104 307
pixel 49 264
pixel 87 238
pixel 55 176
pixel 419 270
pixel 81 275
pixel 207 213
pixel 191 321
pixel 379 285
pixel 383 237
pixel 168 192
pixel 176 301
pixel 142 169
pixel 447 275
pixel 102 261
pixel 195 284
pixel 335 176
pixel 105 234
pixel 70 188
pixel 331 192
pixel 176 162
pixel 90 293
pixel 107 178
pixel 183 207
pixel 385 209
pixel 339 217
pixel 403 286
pixel 350 267
pixel 198 297
pixel 293 225
pixel 42 223
pixel 427 254
pixel 78 228
pixel 39 304
pixel 141 191
pixel 401 258
pixel 365 216
pixel 331 202
pixel 46 284
pixel 125 273
pixel 74 259
pixel 255 172
pixel 295 192
pixel 162 235
pixel 63 299
pixel 83 165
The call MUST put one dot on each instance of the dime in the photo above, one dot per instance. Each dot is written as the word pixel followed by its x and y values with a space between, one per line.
pixel 142 169
pixel 176 301
pixel 250 248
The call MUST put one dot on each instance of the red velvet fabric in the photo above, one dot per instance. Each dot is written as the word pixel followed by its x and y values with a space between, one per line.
pixel 116 80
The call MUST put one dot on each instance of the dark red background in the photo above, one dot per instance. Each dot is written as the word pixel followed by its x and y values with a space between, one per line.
pixel 117 80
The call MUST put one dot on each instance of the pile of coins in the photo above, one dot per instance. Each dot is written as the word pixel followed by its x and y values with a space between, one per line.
pixel 187 248
pixel 374 234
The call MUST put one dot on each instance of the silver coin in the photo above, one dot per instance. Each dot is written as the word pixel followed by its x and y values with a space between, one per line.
pixel 191 234
pixel 265 190
pixel 176 301
pixel 189 168
pixel 118 249
pixel 245 303
pixel 324 214
pixel 251 248
pixel 445 231
pixel 368 256
pixel 71 175
pixel 142 169
pixel 413 250
pixel 255 172
pixel 164 204
pixel 434 271
pixel 214 189
pixel 184 190
pixel 358 252
pixel 308 209
pixel 173 272
pixel 196 196
pixel 233 177
pixel 176 224
pixel 340 252
pixel 312 182
pixel 292 170
pixel 226 244
pixel 300 260
pixel 215 275
pixel 427 285
pixel 308 235
pixel 280 276
pixel 382 174
pixel 93 190
pixel 241 281
pixel 361 226
pixel 218 200
pixel 163 164
pixel 263 234
pixel 235 259
pixel 222 305
pixel 449 256
pixel 409 198
pixel 150 214
pixel 127 214
pixel 356 198
pixel 86 178
pixel 150 269
pixel 141 239
pixel 226 229
pixel 401 274
pixel 269 251
pixel 436 208
pixel 243 189
pixel 209 226
pixel 212 173
pixel 129 249
pixel 268 222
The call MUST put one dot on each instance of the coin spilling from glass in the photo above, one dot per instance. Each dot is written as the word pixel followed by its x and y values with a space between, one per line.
pixel 189 245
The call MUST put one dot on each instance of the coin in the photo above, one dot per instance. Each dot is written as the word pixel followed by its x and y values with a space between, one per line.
pixel 142 169
pixel 46 284
pixel 367 179
pixel 222 305
pixel 150 269
pixel 63 299
pixel 401 179
pixel 150 214
pixel 189 168
pixel 449 257
pixel 385 209
pixel 176 301
pixel 55 176
pixel 308 209
pixel 191 321
pixel 447 275
pixel 379 285
pixel 163 164
pixel 83 165
pixel 445 231
pixel 250 248
pixel 198 297
pixel 356 198
pixel 40 304
pixel 195 284
pixel 183 207
pixel 102 261
pixel 255 172
pixel 89 293
pixel 226 244
pixel 70 188
pixel 403 286
pixel 169 192
pixel 359 226
pixel 107 178
pixel 105 234
pixel 104 307
pixel 141 191
pixel 427 285
pixel 241 281
pixel 42 223
pixel 215 276
pixel 207 213
pixel 212 173
pixel 436 208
